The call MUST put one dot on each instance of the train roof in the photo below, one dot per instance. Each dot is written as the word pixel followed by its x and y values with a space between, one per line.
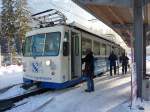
pixel 80 28
pixel 53 17
pixel 84 29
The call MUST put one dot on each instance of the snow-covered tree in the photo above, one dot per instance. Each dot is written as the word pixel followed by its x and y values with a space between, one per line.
pixel 7 26
pixel 23 17
pixel 14 25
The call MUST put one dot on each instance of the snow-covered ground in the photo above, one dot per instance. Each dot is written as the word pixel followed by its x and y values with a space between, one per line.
pixel 16 90
pixel 125 107
pixel 112 94
pixel 109 92
pixel 10 75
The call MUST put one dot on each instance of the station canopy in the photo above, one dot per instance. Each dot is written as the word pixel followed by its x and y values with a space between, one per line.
pixel 117 14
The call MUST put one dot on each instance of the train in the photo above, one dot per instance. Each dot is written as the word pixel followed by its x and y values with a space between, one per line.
pixel 52 54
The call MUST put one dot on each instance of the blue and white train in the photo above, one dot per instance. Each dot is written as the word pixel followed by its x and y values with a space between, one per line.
pixel 52 55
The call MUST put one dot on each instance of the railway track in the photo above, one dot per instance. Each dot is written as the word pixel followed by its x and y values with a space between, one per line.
pixel 3 90
pixel 13 102
pixel 8 103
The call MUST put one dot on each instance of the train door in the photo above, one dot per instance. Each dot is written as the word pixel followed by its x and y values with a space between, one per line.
pixel 75 54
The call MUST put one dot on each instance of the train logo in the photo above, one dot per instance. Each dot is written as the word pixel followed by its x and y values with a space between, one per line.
pixel 35 67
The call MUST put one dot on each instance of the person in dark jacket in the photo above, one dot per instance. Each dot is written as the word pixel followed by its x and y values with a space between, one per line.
pixel 112 59
pixel 124 60
pixel 89 70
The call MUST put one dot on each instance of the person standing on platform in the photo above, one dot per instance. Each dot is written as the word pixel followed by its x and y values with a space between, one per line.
pixel 124 60
pixel 112 59
pixel 89 70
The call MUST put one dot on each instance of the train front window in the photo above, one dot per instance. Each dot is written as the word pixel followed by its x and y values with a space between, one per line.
pixel 27 51
pixel 43 44
pixel 38 44
pixel 52 44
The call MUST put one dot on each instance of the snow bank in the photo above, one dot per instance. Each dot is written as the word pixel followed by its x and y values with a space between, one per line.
pixel 10 75
pixel 143 106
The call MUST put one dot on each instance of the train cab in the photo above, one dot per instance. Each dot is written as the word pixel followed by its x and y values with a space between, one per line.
pixel 52 55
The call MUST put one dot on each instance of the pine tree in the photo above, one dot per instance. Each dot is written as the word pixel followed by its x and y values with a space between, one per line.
pixel 14 25
pixel 7 26
pixel 23 17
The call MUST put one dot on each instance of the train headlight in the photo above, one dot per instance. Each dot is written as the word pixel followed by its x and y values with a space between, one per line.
pixel 48 62
pixel 51 64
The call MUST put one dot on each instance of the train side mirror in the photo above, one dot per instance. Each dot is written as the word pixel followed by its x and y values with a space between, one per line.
pixel 65 48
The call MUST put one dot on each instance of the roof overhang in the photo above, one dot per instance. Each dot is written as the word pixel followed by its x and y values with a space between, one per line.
pixel 116 3
pixel 117 14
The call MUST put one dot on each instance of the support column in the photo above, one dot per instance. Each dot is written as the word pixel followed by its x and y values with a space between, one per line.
pixel 144 51
pixel 146 81
pixel 138 44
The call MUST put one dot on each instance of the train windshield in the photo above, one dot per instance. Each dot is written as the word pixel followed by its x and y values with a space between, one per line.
pixel 43 44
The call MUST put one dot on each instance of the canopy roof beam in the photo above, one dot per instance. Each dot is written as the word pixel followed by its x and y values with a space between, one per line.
pixel 119 3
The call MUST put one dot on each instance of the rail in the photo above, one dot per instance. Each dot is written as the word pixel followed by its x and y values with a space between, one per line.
pixel 8 103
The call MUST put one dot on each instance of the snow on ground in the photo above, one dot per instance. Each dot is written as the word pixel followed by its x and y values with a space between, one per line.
pixel 16 90
pixel 32 103
pixel 10 75
pixel 112 94
pixel 109 93
pixel 125 107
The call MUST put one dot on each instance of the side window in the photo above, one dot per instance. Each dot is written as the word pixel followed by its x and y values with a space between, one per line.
pixel 75 37
pixel 77 45
pixel 96 48
pixel 108 50
pixel 66 44
pixel 86 44
pixel 66 37
pixel 116 51
pixel 120 51
pixel 112 49
pixel 103 49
